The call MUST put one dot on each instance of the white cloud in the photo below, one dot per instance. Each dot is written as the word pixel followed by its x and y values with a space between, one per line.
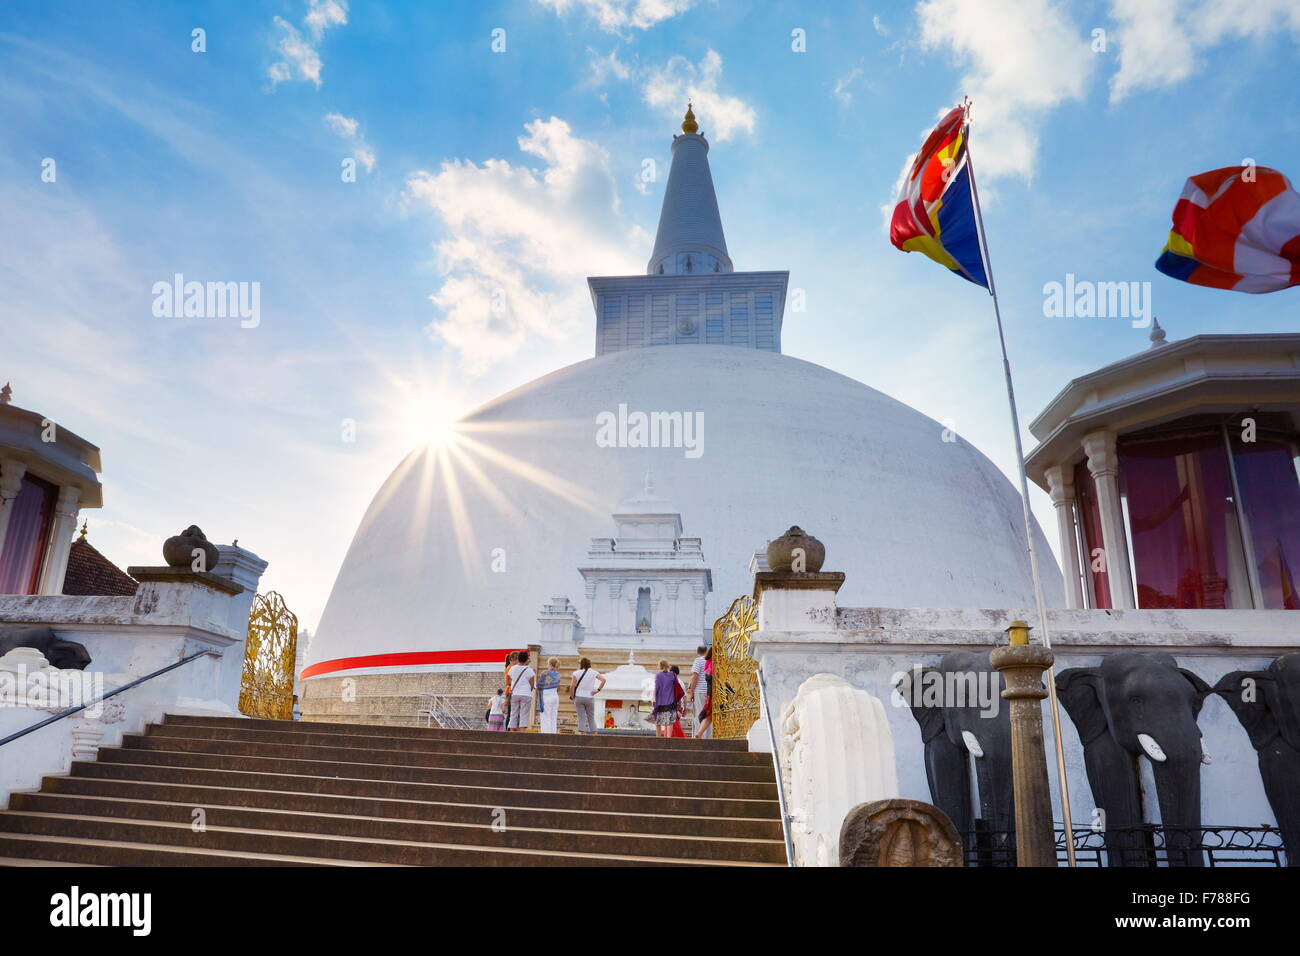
pixel 349 130
pixel 879 26
pixel 615 15
pixel 842 91
pixel 521 241
pixel 604 67
pixel 322 14
pixel 300 59
pixel 1023 58
pixel 1160 40
pixel 669 87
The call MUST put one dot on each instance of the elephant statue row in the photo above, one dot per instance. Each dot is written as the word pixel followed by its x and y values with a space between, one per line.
pixel 956 725
pixel 1267 703
pixel 1133 705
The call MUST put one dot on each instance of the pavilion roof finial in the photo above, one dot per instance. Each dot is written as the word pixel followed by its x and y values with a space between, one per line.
pixel 6 394
pixel 688 124
pixel 1157 335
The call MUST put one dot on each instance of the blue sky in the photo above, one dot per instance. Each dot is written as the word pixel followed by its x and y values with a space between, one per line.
pixel 523 170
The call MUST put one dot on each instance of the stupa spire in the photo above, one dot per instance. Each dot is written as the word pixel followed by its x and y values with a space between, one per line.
pixel 690 239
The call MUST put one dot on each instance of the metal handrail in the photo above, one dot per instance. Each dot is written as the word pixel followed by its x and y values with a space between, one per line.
pixel 112 693
pixel 440 709
pixel 776 763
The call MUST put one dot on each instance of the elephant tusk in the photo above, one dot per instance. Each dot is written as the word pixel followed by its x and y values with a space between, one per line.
pixel 971 743
pixel 1205 754
pixel 1152 748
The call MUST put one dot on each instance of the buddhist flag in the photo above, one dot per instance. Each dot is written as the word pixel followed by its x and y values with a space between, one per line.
pixel 1236 228
pixel 935 214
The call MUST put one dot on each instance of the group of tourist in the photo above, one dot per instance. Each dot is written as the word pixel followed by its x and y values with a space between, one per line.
pixel 511 707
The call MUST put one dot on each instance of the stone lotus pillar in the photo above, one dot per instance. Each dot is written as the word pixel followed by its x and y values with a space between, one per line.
pixel 836 752
pixel 1022 665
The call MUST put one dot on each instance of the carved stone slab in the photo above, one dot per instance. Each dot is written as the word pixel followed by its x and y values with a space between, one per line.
pixel 898 832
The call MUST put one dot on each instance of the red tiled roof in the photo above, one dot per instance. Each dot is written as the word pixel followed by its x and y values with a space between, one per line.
pixel 89 572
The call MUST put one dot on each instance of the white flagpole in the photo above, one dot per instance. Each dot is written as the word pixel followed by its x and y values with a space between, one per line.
pixel 1024 498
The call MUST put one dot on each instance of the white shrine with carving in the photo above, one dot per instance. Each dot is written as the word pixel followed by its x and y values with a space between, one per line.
pixel 646 586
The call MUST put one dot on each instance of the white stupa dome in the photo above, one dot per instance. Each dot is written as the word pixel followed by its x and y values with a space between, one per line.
pixel 914 520
pixel 466 542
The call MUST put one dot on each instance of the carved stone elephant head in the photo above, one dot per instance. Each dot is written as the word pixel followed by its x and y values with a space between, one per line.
pixel 1130 706
pixel 1267 703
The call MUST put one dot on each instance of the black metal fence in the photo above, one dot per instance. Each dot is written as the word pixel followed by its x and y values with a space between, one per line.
pixel 1144 846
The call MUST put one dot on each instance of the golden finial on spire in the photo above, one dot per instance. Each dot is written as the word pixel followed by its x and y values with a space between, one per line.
pixel 689 125
pixel 85 525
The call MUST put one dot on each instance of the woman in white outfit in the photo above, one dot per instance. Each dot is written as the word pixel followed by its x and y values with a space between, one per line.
pixel 549 685
pixel 583 686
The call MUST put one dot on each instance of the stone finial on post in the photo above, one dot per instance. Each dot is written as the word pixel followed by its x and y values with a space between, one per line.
pixel 1022 665
pixel 796 595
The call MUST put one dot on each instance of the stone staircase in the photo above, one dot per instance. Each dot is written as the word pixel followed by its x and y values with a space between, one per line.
pixel 604 660
pixel 205 791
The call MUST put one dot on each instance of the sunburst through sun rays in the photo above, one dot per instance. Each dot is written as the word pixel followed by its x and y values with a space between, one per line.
pixel 452 451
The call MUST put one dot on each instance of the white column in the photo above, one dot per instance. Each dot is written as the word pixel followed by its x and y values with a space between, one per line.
pixel 62 529
pixel 615 618
pixel 590 587
pixel 1103 464
pixel 699 609
pixel 1060 480
pixel 11 482
pixel 671 589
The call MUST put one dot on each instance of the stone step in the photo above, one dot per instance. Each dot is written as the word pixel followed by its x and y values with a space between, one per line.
pixel 461 759
pixel 38 849
pixel 538 740
pixel 277 793
pixel 722 827
pixel 13 861
pixel 656 804
pixel 498 745
pixel 495 828
pixel 501 779
pixel 69 827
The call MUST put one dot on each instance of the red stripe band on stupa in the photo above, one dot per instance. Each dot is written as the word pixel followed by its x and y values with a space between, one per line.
pixel 409 659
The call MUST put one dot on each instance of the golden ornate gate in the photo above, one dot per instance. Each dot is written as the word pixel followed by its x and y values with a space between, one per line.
pixel 269 654
pixel 735 674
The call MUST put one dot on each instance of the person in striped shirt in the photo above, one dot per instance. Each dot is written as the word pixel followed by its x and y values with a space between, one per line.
pixel 699 691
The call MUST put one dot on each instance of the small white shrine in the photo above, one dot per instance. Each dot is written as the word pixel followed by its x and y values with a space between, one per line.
pixel 647 586
pixel 628 695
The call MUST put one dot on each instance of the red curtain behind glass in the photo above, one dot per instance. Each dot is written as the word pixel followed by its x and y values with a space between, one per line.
pixel 1270 492
pixel 29 529
pixel 1085 495
pixel 1183 523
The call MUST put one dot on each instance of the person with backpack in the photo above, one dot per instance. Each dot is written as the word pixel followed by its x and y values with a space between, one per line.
pixel 584 684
